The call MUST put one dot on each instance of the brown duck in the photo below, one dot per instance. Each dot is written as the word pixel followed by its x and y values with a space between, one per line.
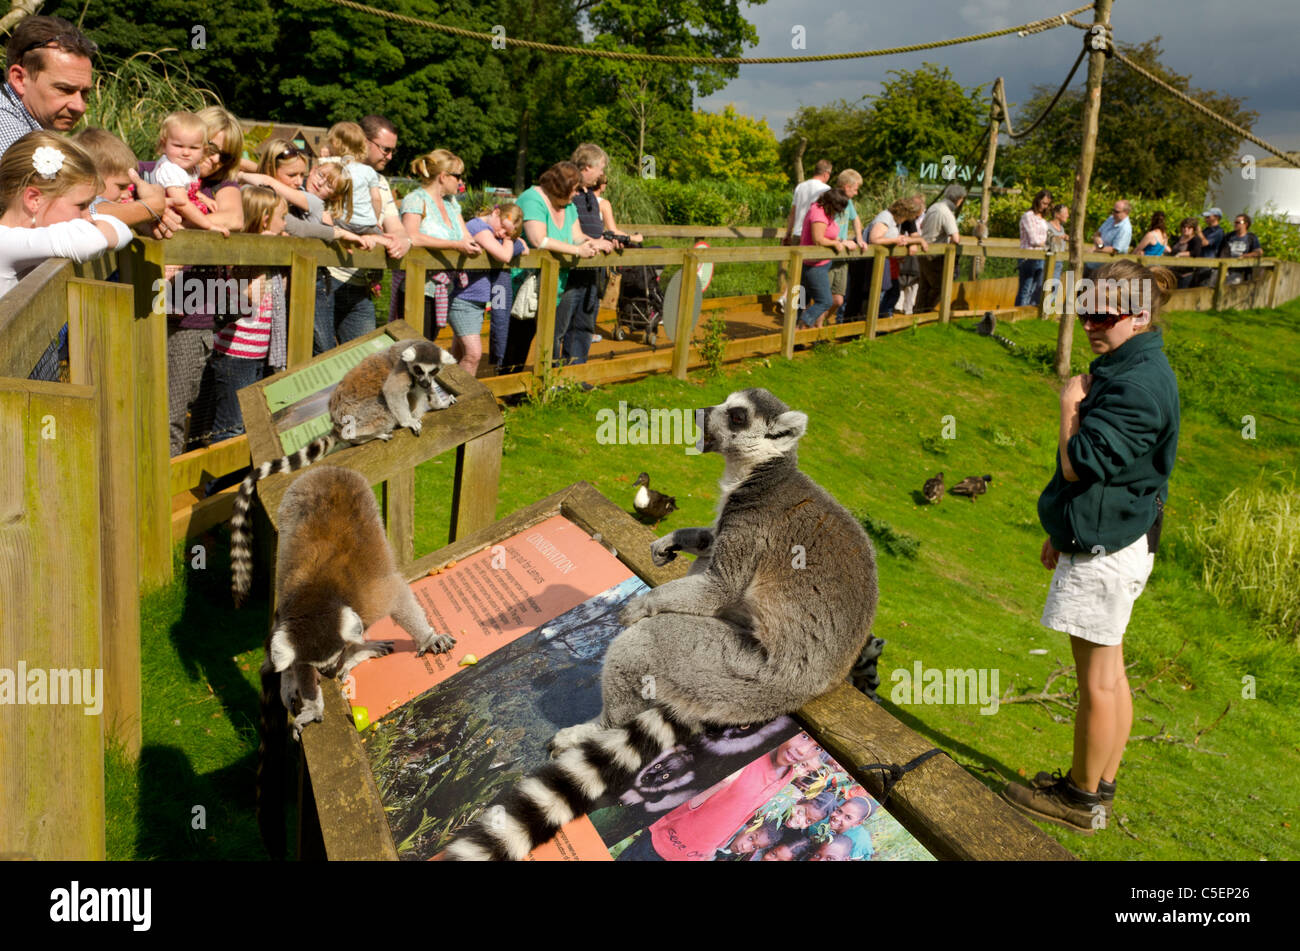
pixel 933 489
pixel 651 506
pixel 972 486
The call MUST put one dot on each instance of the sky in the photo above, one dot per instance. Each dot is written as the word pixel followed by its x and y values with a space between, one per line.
pixel 1241 47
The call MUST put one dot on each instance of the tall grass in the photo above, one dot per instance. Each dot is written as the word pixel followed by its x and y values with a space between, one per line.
pixel 133 95
pixel 1250 551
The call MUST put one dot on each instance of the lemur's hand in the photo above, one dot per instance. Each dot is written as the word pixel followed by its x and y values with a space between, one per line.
pixel 663 550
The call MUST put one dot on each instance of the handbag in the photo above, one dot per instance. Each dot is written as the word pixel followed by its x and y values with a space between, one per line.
pixel 525 305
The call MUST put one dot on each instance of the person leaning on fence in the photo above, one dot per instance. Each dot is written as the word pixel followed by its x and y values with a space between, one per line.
pixel 1156 240
pixel 850 228
pixel 804 195
pixel 1058 241
pixel 47 184
pixel 886 230
pixel 432 218
pixel 1187 245
pixel 819 229
pixel 909 268
pixel 575 317
pixel 282 167
pixel 1211 241
pixel 1115 235
pixel 189 333
pixel 1103 511
pixel 1033 236
pixel 48 78
pixel 550 223
pixel 497 233
pixel 124 194
pixel 1240 244
pixel 940 225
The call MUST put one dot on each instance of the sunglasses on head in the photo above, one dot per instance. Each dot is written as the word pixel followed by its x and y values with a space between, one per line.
pixel 62 41
pixel 290 151
pixel 1102 321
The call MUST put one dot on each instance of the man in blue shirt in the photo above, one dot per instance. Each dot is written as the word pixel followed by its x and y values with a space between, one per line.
pixel 1116 232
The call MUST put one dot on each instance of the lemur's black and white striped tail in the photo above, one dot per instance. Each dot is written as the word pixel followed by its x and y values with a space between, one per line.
pixel 535 809
pixel 241 536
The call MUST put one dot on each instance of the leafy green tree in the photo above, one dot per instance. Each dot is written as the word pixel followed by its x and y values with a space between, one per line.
pixel 636 109
pixel 1148 143
pixel 918 116
pixel 730 146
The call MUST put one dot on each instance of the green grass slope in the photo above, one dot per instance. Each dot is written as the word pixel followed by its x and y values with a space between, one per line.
pixel 1197 782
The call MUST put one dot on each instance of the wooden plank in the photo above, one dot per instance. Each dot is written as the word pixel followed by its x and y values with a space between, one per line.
pixel 880 261
pixel 413 291
pixel 302 308
pixel 198 466
pixel 1049 268
pixel 1220 283
pixel 192 515
pixel 945 286
pixel 99 319
pixel 351 815
pixel 952 814
pixel 31 315
pixel 544 339
pixel 478 475
pixel 51 754
pixel 685 314
pixel 1273 276
pixel 794 294
pixel 142 268
pixel 399 515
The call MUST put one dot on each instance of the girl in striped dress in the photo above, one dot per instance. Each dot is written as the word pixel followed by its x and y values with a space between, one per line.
pixel 244 348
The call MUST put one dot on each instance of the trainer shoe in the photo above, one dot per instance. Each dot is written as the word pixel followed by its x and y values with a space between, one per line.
pixel 1061 803
pixel 1105 790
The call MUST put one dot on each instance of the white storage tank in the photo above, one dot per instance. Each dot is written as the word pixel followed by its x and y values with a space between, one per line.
pixel 1258 182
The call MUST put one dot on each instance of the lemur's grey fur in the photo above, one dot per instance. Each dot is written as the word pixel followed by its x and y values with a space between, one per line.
pixel 774 611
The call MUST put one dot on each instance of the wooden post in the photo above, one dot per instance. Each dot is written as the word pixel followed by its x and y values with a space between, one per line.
pixel 945 287
pixel 995 121
pixel 100 344
pixel 1272 284
pixel 399 515
pixel 302 308
pixel 685 312
pixel 1049 265
pixel 794 291
pixel 544 343
pixel 1079 211
pixel 1219 284
pixel 413 288
pixel 474 491
pixel 879 261
pixel 142 267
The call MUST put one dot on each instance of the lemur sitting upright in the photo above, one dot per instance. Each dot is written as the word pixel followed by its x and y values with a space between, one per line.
pixel 774 611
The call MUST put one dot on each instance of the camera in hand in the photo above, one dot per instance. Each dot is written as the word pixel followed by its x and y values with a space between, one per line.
pixel 620 240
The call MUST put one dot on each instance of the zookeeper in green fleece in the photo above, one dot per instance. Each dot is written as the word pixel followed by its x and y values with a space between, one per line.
pixel 1102 512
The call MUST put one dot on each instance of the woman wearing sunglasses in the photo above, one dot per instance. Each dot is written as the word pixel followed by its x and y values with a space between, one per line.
pixel 1102 512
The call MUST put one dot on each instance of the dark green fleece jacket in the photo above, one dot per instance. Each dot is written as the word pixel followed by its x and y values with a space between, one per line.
pixel 1122 454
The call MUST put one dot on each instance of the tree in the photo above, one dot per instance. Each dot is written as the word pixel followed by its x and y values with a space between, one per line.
pixel 919 116
pixel 731 146
pixel 1148 143
pixel 636 109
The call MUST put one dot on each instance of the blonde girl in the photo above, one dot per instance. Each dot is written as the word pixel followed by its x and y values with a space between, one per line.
pixel 282 166
pixel 47 184
pixel 347 142
pixel 497 233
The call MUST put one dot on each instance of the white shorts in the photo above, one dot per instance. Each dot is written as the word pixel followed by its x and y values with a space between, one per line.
pixel 1092 595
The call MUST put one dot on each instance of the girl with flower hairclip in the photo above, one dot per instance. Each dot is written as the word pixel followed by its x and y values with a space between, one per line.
pixel 47 184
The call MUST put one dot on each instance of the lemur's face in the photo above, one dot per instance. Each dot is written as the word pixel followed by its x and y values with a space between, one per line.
pixel 423 361
pixel 751 424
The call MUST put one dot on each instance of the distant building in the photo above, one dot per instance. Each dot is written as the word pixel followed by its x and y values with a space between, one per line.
pixel 310 138
pixel 1255 184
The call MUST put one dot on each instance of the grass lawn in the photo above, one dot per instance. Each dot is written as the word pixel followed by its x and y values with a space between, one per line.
pixel 969 598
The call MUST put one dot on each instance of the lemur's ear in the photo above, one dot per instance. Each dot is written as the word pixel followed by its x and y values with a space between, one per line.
pixel 788 428
pixel 282 652
pixel 408 355
pixel 446 357
pixel 350 627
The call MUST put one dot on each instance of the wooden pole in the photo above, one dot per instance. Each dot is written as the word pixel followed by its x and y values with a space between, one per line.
pixel 1079 211
pixel 995 121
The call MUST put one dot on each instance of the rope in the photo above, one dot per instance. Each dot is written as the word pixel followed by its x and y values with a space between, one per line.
pixel 1024 29
pixel 1204 110
pixel 1006 112
pixel 893 772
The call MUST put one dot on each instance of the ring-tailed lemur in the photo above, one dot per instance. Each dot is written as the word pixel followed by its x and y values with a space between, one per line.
pixel 384 391
pixel 773 612
pixel 335 576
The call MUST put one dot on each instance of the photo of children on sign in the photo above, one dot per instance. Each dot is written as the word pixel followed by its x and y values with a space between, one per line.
pixel 452 734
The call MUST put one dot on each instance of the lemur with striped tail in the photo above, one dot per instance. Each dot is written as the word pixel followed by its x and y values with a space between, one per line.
pixel 386 390
pixel 774 611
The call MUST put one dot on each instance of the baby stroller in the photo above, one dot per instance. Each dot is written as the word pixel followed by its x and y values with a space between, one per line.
pixel 640 302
